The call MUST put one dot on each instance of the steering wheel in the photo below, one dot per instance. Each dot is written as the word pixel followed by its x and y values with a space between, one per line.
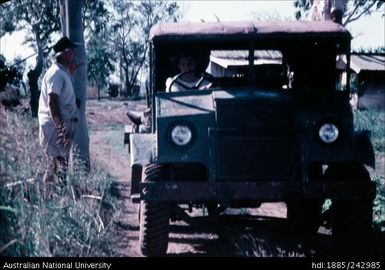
pixel 203 76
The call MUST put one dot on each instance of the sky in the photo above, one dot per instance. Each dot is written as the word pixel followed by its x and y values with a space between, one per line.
pixel 367 32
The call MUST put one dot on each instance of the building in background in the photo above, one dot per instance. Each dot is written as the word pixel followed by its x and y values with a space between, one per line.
pixel 368 75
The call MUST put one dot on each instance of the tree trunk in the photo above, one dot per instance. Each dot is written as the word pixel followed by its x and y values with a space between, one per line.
pixel 33 78
pixel 127 82
pixel 73 20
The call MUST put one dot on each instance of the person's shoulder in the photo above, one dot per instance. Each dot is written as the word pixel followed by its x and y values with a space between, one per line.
pixel 54 68
pixel 55 72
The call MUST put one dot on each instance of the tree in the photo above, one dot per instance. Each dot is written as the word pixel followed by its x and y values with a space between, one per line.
pixel 72 26
pixel 132 21
pixel 100 55
pixel 39 19
pixel 352 10
pixel 9 75
pixel 371 50
pixel 100 65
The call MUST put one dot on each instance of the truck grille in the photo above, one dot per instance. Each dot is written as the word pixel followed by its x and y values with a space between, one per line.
pixel 254 141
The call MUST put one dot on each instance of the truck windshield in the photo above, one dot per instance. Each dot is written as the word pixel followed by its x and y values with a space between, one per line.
pixel 274 69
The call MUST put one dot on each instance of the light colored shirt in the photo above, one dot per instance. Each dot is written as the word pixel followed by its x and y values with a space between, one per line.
pixel 177 87
pixel 321 9
pixel 57 80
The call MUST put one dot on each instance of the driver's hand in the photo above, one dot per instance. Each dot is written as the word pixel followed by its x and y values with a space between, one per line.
pixel 207 86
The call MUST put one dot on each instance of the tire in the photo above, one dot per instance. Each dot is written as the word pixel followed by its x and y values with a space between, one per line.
pixel 304 215
pixel 215 209
pixel 351 217
pixel 154 218
pixel 154 228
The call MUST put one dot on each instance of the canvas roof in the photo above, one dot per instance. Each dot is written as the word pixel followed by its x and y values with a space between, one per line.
pixel 248 28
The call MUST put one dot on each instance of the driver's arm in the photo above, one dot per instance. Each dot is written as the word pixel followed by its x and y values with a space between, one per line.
pixel 168 82
pixel 207 86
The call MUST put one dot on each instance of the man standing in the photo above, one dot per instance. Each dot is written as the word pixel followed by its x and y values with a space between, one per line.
pixel 326 10
pixel 58 112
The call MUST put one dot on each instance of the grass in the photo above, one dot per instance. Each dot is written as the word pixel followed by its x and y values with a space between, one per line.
pixel 62 224
pixel 379 204
pixel 112 136
pixel 375 122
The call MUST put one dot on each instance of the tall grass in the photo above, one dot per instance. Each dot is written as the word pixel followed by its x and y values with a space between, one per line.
pixel 66 223
pixel 375 122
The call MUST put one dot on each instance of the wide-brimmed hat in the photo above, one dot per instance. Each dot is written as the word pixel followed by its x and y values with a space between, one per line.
pixel 63 45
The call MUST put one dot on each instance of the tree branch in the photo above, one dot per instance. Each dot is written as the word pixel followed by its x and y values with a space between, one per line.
pixel 350 18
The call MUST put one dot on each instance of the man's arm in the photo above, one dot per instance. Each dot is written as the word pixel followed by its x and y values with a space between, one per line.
pixel 53 103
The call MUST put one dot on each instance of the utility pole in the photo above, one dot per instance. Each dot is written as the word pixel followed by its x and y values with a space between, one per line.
pixel 72 27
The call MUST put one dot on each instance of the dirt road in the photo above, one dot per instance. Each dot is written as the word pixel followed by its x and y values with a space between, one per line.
pixel 260 232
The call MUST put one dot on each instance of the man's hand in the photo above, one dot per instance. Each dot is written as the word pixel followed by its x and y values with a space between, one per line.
pixel 63 136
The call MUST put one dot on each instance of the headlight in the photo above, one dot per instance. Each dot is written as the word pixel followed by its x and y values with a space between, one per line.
pixel 181 135
pixel 328 133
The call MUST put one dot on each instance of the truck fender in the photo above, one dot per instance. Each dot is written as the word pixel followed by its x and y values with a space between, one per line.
pixel 364 148
pixel 140 155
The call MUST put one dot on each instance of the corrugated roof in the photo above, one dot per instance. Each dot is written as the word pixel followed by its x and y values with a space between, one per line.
pixel 240 57
pixel 242 62
pixel 244 54
pixel 360 62
pixel 247 28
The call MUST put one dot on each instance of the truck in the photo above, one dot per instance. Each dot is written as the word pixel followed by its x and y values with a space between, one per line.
pixel 276 127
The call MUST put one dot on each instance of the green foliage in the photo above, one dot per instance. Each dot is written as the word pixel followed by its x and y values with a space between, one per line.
pixel 100 65
pixel 376 50
pixel 375 122
pixel 96 17
pixel 354 10
pixel 379 204
pixel 39 18
pixel 100 57
pixel 9 75
pixel 72 221
pixel 129 33
pixel 355 86
pixel 302 8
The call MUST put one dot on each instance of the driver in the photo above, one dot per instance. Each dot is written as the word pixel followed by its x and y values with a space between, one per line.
pixel 190 77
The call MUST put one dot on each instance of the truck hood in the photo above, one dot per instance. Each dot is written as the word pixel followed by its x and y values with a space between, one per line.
pixel 205 102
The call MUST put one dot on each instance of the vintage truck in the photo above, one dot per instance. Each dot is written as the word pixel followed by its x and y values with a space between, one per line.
pixel 277 126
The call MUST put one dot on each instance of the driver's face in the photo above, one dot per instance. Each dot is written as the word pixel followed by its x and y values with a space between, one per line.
pixel 187 63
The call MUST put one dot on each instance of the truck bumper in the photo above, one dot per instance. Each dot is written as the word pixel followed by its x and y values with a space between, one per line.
pixel 259 191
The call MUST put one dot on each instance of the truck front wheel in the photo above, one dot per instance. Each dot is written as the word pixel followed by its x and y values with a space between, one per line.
pixel 304 215
pixel 154 217
pixel 351 216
